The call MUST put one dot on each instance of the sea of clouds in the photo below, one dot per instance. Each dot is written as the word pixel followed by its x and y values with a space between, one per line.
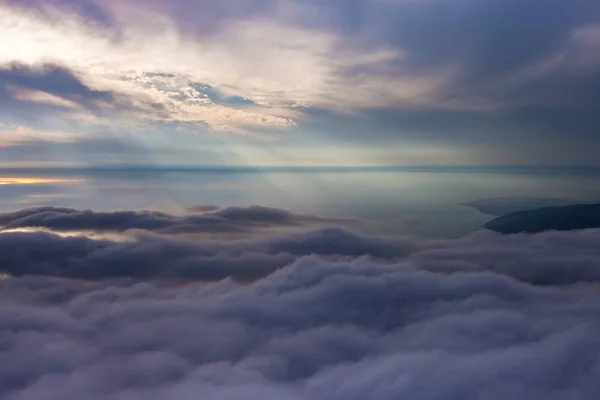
pixel 322 313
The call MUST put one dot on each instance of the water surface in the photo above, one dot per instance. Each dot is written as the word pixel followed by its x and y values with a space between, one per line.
pixel 425 202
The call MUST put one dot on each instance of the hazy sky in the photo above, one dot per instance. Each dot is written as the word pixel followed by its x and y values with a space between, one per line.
pixel 290 82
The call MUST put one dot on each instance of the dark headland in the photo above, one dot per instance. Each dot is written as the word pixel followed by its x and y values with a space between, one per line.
pixel 564 218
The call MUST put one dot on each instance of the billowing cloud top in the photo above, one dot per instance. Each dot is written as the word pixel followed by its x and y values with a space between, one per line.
pixel 325 314
pixel 442 81
pixel 209 219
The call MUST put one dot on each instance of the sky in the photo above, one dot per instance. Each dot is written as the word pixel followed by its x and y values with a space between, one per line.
pixel 162 237
pixel 299 83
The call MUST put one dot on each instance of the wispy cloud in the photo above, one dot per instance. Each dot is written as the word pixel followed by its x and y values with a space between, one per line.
pixel 37 96
pixel 147 58
pixel 11 135
pixel 366 73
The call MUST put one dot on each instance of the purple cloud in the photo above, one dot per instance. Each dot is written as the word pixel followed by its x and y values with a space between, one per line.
pixel 469 318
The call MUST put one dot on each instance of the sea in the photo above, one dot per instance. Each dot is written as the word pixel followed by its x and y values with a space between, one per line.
pixel 426 201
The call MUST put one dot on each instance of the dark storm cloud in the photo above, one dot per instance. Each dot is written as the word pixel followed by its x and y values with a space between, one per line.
pixel 226 220
pixel 317 329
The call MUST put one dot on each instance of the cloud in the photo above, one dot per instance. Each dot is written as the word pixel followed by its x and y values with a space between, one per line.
pixel 49 89
pixel 43 97
pixel 411 73
pixel 535 259
pixel 276 68
pixel 523 54
pixel 476 316
pixel 163 258
pixel 86 51
pixel 226 220
pixel 202 208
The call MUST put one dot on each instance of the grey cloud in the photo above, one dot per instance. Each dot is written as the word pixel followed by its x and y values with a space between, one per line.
pixel 159 258
pixel 58 81
pixel 549 258
pixel 316 330
pixel 226 220
pixel 90 9
pixel 498 49
pixel 539 259
pixel 513 136
pixel 202 208
pixel 489 41
pixel 52 79
pixel 269 215
pixel 82 258
pixel 524 91
pixel 153 258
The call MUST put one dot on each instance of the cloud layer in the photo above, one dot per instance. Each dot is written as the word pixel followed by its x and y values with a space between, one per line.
pixel 486 317
pixel 415 82
pixel 208 220
pixel 256 73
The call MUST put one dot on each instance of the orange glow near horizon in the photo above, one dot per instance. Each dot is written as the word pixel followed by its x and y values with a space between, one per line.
pixel 33 180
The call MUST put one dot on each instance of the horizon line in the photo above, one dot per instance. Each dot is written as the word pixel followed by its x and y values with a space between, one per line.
pixel 296 168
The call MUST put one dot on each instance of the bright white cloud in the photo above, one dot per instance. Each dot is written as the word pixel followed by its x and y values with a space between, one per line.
pixel 276 67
